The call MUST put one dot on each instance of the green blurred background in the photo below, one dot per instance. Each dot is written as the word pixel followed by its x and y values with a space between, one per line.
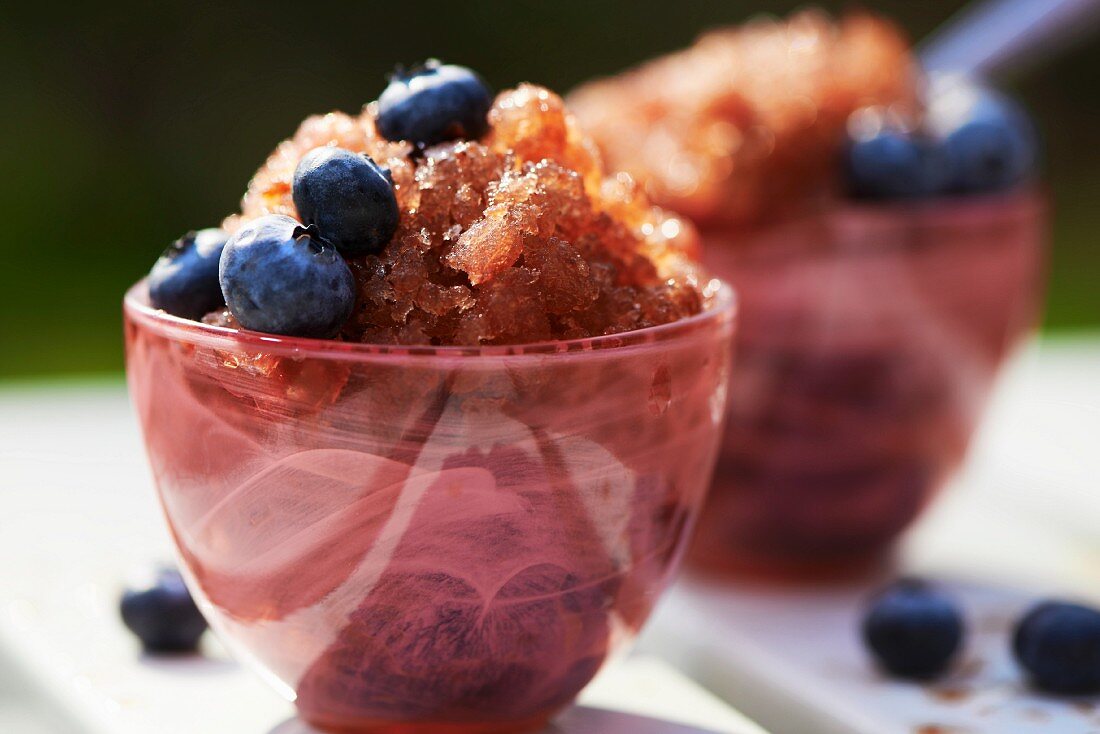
pixel 124 127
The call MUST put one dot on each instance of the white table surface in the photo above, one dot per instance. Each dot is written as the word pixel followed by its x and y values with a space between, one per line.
pixel 1023 518
pixel 78 515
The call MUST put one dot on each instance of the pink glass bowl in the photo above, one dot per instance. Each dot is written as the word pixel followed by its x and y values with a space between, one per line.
pixel 868 341
pixel 410 539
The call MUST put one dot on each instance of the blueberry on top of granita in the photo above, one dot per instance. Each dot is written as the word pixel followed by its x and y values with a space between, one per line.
pixel 989 141
pixel 348 197
pixel 184 281
pixel 883 159
pixel 280 277
pixel 434 102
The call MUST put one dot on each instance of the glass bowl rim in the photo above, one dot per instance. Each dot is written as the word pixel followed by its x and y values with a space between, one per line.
pixel 875 228
pixel 720 308
pixel 1029 198
pixel 978 209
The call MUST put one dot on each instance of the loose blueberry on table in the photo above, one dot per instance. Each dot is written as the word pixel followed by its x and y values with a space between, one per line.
pixel 163 615
pixel 913 630
pixel 1058 645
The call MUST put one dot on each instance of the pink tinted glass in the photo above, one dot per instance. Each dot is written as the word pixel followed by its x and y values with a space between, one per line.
pixel 429 539
pixel 868 343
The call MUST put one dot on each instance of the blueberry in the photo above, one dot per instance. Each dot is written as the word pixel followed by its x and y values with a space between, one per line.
pixel 912 630
pixel 1058 644
pixel 184 281
pixel 280 277
pixel 884 161
pixel 163 615
pixel 989 142
pixel 434 102
pixel 348 197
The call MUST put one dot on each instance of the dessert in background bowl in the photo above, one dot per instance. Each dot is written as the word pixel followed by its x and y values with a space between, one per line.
pixel 887 247
pixel 436 451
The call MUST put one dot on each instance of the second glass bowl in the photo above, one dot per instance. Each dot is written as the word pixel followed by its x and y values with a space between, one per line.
pixel 868 342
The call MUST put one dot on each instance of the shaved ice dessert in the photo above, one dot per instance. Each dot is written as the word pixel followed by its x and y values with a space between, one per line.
pixel 517 236
pixel 437 452
pixel 886 239
pixel 746 125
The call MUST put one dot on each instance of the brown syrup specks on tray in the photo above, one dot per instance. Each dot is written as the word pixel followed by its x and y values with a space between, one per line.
pixel 952 694
pixel 1036 714
pixel 970 668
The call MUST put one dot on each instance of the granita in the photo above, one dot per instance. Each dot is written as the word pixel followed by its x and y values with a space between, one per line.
pixel 513 236
pixel 746 124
